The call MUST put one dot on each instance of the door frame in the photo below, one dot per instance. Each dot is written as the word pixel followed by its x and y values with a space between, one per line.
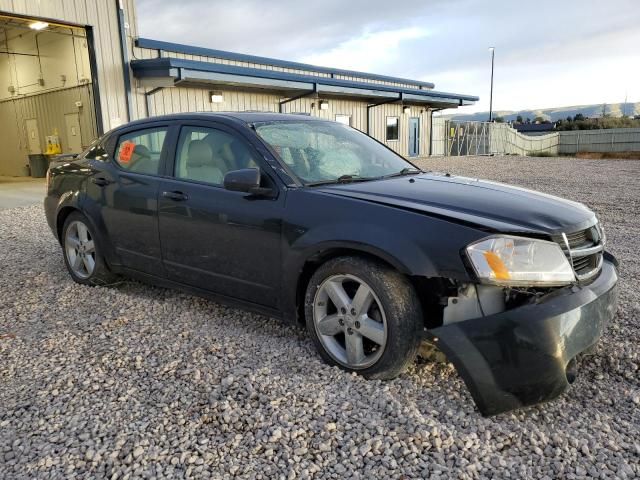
pixel 416 121
pixel 26 127
pixel 93 58
pixel 78 134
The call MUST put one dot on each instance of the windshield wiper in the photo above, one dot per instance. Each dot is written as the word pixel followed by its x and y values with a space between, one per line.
pixel 342 179
pixel 404 171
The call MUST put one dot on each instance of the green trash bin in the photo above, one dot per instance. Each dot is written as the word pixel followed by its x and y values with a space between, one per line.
pixel 39 165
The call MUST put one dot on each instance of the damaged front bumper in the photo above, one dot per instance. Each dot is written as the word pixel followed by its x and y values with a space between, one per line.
pixel 526 355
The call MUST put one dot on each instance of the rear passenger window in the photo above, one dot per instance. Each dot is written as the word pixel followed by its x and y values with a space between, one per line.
pixel 207 154
pixel 140 151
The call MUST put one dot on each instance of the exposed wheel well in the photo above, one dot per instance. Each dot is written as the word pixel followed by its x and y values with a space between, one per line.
pixel 62 216
pixel 429 290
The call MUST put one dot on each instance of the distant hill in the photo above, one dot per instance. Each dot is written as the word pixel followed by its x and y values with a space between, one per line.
pixel 553 114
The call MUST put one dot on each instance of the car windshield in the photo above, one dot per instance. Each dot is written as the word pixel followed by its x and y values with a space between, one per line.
pixel 326 152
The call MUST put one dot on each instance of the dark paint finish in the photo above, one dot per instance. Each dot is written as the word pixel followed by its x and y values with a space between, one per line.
pixel 478 201
pixel 225 241
pixel 250 249
pixel 519 357
pixel 128 208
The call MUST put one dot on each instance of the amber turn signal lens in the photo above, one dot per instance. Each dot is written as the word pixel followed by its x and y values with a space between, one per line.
pixel 499 269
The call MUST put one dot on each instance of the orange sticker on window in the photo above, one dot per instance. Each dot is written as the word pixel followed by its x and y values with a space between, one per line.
pixel 126 151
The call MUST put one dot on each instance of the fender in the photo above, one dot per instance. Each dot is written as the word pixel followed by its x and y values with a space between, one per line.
pixel 398 251
pixel 77 200
pixel 92 211
pixel 54 205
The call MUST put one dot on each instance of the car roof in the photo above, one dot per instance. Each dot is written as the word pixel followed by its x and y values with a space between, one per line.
pixel 242 117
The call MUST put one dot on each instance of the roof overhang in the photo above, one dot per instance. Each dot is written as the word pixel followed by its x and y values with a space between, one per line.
pixel 161 46
pixel 169 71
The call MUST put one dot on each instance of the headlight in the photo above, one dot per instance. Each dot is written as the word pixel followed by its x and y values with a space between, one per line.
pixel 517 261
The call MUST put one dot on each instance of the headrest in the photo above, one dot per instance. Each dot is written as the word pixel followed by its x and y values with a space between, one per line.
pixel 200 154
pixel 142 151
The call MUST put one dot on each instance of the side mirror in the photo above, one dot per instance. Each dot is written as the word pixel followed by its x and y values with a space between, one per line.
pixel 246 180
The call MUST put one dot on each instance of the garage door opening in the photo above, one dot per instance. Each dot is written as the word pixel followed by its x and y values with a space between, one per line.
pixel 47 102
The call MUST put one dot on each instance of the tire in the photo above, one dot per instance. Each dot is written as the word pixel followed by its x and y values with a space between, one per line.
pixel 388 319
pixel 81 252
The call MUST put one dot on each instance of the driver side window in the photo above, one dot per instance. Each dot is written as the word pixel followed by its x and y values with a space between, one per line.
pixel 207 154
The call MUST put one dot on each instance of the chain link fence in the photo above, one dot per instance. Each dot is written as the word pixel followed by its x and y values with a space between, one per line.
pixel 454 138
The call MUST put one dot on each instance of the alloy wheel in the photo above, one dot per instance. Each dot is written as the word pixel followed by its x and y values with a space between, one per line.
pixel 80 249
pixel 350 321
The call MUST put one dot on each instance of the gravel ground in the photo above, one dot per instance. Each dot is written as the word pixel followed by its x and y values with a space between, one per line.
pixel 135 381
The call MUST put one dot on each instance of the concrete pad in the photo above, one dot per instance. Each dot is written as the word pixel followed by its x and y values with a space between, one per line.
pixel 21 191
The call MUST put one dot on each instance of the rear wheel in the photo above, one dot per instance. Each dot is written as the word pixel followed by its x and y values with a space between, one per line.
pixel 363 316
pixel 81 254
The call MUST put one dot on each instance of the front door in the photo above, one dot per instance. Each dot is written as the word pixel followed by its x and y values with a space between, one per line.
pixel 33 136
pixel 414 136
pixel 222 241
pixel 74 137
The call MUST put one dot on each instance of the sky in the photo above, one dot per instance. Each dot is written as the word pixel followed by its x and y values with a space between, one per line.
pixel 547 53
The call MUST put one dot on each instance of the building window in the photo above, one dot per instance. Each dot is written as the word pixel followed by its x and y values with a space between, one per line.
pixel 344 119
pixel 393 125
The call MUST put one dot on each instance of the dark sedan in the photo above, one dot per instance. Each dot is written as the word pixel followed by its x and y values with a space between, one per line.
pixel 315 222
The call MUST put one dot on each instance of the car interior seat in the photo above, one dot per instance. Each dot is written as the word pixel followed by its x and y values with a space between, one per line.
pixel 200 163
pixel 141 161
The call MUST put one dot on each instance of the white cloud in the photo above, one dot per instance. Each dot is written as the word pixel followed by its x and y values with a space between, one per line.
pixel 548 53
pixel 368 52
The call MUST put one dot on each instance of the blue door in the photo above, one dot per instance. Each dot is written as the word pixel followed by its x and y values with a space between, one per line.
pixel 414 136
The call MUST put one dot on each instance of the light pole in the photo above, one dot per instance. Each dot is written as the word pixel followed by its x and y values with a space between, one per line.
pixel 493 51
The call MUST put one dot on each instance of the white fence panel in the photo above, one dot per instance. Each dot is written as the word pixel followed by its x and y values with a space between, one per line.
pixel 610 140
pixel 482 138
pixel 438 136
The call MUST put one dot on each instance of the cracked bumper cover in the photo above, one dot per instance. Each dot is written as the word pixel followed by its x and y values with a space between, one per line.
pixel 519 357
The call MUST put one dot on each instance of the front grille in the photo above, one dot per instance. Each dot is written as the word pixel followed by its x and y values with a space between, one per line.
pixel 584 250
pixel 578 239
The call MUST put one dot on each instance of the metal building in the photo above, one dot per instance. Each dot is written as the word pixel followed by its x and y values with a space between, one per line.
pixel 72 69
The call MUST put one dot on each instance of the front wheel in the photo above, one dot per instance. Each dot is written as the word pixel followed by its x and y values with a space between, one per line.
pixel 81 254
pixel 363 316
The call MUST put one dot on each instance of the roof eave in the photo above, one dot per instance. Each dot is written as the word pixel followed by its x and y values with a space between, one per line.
pixel 184 72
pixel 241 57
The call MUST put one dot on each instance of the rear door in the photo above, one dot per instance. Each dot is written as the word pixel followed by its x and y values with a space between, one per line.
pixel 223 241
pixel 123 193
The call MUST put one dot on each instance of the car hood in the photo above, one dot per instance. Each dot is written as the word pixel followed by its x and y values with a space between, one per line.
pixel 482 203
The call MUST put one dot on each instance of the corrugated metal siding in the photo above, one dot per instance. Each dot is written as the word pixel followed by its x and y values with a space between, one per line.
pixel 102 15
pixel 179 99
pixel 379 116
pixel 49 109
pixel 13 158
pixel 138 53
pixel 356 109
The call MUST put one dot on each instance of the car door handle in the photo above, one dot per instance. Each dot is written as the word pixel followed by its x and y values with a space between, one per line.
pixel 101 181
pixel 177 196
